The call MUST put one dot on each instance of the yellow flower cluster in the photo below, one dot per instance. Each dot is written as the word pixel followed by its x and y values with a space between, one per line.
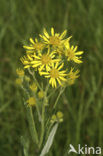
pixel 72 76
pixel 51 55
pixel 58 117
pixel 20 74
pixel 33 87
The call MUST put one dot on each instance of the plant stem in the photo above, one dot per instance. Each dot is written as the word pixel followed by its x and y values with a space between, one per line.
pixel 38 111
pixel 61 91
pixel 43 117
pixel 52 92
pixel 32 125
pixel 33 75
pixel 42 125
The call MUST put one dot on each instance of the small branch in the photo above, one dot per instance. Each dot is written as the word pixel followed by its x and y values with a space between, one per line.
pixel 61 91
pixel 32 125
pixel 43 116
pixel 33 75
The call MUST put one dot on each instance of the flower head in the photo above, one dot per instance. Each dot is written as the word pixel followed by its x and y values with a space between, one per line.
pixel 26 60
pixel 57 118
pixel 53 118
pixel 35 45
pixel 33 87
pixel 60 116
pixel 27 78
pixel 55 74
pixel 72 76
pixel 20 72
pixel 55 39
pixel 44 61
pixel 40 94
pixel 31 101
pixel 71 53
pixel 18 81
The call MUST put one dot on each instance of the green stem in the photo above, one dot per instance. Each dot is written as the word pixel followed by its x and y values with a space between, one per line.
pixel 43 117
pixel 37 108
pixel 33 75
pixel 61 91
pixel 42 125
pixel 25 90
pixel 38 111
pixel 52 92
pixel 32 125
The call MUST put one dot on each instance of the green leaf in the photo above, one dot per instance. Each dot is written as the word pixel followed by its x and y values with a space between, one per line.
pixel 50 139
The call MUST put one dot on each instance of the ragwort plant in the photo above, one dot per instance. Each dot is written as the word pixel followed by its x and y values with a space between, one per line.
pixel 49 65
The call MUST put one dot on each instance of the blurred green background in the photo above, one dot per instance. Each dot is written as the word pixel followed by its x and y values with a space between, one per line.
pixel 82 103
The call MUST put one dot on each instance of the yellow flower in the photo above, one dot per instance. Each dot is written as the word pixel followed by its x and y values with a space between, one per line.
pixel 72 76
pixel 60 116
pixel 55 74
pixel 31 101
pixel 53 118
pixel 26 60
pixel 27 78
pixel 71 82
pixel 40 94
pixel 60 51
pixel 71 53
pixel 18 81
pixel 20 72
pixel 54 39
pixel 44 60
pixel 33 87
pixel 35 45
pixel 57 118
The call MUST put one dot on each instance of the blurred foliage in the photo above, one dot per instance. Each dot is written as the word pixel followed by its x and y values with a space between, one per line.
pixel 82 103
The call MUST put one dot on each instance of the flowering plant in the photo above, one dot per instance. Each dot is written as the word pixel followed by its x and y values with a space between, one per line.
pixel 50 66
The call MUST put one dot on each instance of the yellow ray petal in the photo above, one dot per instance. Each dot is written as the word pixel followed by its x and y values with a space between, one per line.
pixel 63 34
pixel 27 47
pixel 61 66
pixel 45 33
pixel 62 78
pixel 59 81
pixel 32 41
pixel 79 53
pixel 52 31
pixel 76 47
